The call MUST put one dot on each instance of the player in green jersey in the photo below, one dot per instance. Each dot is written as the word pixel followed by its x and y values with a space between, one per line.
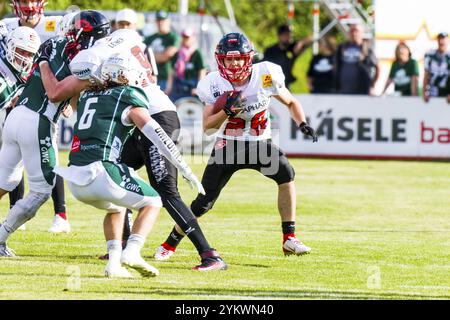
pixel 29 131
pixel 106 118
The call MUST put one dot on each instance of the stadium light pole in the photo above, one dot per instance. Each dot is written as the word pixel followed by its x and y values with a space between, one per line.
pixel 316 27
pixel 183 7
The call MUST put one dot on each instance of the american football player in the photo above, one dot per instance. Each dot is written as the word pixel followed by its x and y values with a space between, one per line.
pixel 30 13
pixel 139 150
pixel 29 130
pixel 106 118
pixel 237 99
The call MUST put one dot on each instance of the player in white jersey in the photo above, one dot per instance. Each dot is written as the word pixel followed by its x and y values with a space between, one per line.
pixel 237 99
pixel 30 13
pixel 139 150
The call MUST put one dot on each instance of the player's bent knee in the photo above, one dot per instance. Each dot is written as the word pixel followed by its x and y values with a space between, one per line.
pixel 201 205
pixel 31 203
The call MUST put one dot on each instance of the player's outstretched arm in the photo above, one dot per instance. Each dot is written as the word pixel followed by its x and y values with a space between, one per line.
pixel 153 131
pixel 296 110
pixel 60 90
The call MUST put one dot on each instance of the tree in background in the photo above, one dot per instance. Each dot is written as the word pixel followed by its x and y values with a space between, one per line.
pixel 258 18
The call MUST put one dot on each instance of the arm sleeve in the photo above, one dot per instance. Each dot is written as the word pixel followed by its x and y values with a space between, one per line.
pixel 153 131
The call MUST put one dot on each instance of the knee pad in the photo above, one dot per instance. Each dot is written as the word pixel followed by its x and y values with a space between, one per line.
pixel 31 203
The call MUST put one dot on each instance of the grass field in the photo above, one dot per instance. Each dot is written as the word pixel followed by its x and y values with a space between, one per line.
pixel 378 230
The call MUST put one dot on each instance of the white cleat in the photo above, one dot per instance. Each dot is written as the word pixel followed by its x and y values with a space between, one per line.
pixel 293 246
pixel 116 271
pixel 22 227
pixel 163 253
pixel 59 225
pixel 136 262
pixel 5 251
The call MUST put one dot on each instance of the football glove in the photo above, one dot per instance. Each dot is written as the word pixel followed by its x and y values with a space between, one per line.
pixel 235 103
pixel 3 32
pixel 193 181
pixel 307 130
pixel 45 51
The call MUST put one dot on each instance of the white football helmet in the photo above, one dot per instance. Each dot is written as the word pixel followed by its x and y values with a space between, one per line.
pixel 22 45
pixel 66 24
pixel 124 69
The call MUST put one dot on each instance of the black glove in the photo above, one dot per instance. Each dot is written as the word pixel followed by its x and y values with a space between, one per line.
pixel 306 129
pixel 234 104
pixel 45 51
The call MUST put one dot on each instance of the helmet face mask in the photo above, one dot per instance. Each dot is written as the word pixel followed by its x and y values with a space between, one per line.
pixel 87 27
pixel 234 57
pixel 21 47
pixel 29 11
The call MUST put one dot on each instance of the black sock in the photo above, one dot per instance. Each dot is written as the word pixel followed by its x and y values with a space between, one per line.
pixel 59 204
pixel 17 193
pixel 174 238
pixel 288 227
pixel 128 224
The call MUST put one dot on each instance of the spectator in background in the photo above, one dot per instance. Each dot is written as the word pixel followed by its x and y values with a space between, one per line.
pixel 164 44
pixel 286 51
pixel 126 19
pixel 188 68
pixel 320 72
pixel 356 66
pixel 437 64
pixel 404 72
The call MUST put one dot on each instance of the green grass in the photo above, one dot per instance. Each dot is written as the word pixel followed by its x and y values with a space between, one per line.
pixel 357 216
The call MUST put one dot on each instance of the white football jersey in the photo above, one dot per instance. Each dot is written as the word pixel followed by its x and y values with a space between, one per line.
pixel 254 122
pixel 87 63
pixel 46 28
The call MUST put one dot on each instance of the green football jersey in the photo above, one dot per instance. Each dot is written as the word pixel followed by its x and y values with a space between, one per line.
pixel 10 83
pixel 34 96
pixel 102 128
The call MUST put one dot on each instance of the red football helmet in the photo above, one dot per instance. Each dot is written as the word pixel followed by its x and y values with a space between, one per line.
pixel 234 45
pixel 28 9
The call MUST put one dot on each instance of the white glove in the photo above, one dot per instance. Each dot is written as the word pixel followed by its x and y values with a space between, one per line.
pixel 193 181
pixel 3 33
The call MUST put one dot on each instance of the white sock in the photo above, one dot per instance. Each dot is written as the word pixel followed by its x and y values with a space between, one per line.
pixel 135 243
pixel 114 250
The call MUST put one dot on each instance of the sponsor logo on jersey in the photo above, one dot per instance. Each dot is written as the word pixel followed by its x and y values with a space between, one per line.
pixel 267 81
pixel 45 144
pixel 50 26
pixel 75 144
pixel 128 185
pixel 215 90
